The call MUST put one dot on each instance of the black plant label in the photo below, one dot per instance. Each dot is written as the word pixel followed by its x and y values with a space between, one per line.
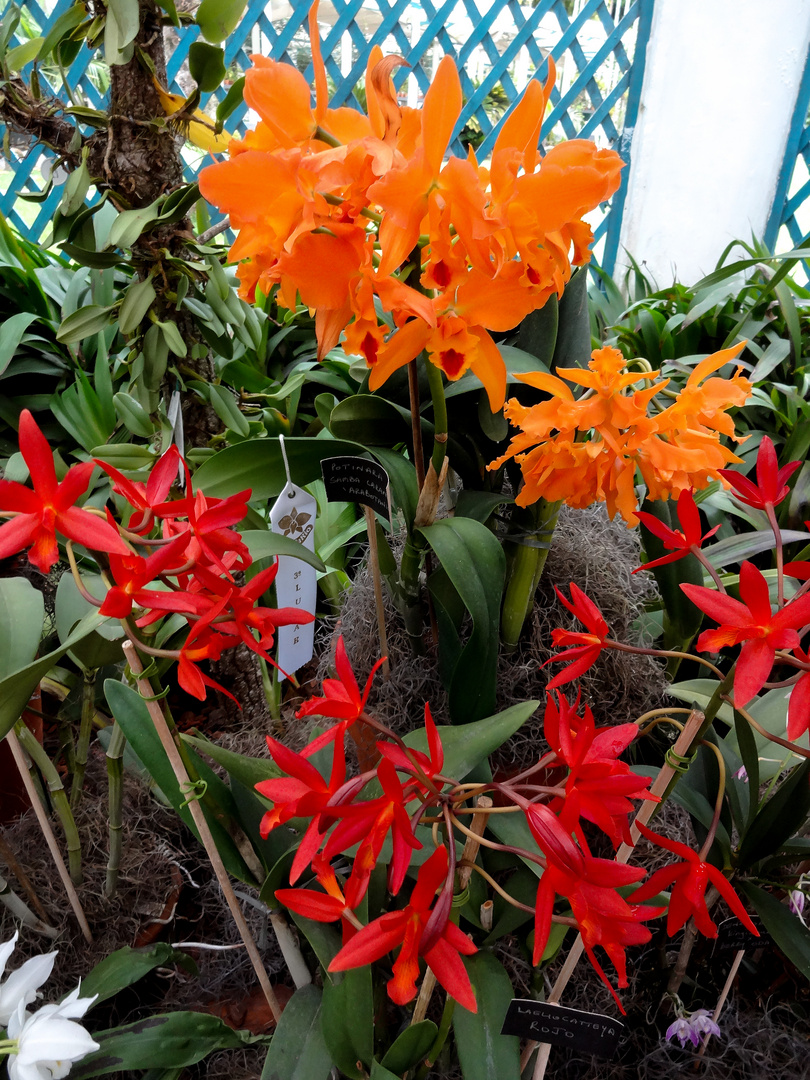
pixel 358 480
pixel 587 1032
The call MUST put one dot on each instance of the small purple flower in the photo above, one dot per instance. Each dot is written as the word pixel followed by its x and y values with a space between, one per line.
pixel 702 1023
pixel 681 1029
pixel 742 774
pixel 796 902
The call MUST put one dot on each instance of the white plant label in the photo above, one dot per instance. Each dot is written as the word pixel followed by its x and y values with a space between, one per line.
pixel 296 584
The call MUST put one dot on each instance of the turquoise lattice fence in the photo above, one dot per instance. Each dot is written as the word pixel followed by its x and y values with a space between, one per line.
pixel 789 222
pixel 499 45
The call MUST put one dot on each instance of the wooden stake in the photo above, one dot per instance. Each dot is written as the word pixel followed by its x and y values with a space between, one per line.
pixel 173 754
pixel 722 999
pixel 47 832
pixel 374 564
pixel 659 786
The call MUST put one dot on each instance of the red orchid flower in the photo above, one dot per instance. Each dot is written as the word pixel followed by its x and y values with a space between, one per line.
pixel 208 521
pixel 406 928
pixel 799 703
pixel 598 786
pixel 203 643
pixel 431 763
pixel 603 917
pixel 132 573
pixel 771 486
pixel 342 699
pixel 328 906
pixel 689 881
pixel 368 823
pixel 49 507
pixel 679 544
pixel 586 647
pixel 144 497
pixel 302 793
pixel 751 622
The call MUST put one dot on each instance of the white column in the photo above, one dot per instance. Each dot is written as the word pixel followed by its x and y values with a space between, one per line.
pixel 719 90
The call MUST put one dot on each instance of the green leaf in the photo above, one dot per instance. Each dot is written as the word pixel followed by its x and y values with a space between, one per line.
pixel 83 323
pixel 573 346
pixel 537 333
pixel 17 58
pixel 735 549
pixel 76 188
pixel 129 709
pixel 64 25
pixel 786 930
pixel 369 420
pixel 750 758
pixel 483 1052
pixel 224 405
pixel 249 771
pixel 258 464
pixel 167 1040
pixel 124 967
pixel 467 745
pixel 263 545
pixel 475 564
pixel 410 1048
pixel 138 298
pixel 324 940
pixel 11 334
pixel 173 338
pixel 129 224
pixel 17 688
pixel 347 1021
pixel 298 1050
pixel 232 100
pixel 133 415
pixel 219 18
pixel 206 64
pixel 781 816
pixel 124 455
pixel 22 608
pixel 402 479
pixel 128 16
pixel 379 1072
pixel 99 648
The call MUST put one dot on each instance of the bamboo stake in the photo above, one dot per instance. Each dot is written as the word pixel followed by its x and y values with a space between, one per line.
pixel 12 862
pixel 47 832
pixel 85 734
pixel 20 910
pixel 200 821
pixel 659 786
pixel 722 999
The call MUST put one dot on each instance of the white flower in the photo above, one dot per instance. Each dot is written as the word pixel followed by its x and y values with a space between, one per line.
pixel 49 1041
pixel 22 984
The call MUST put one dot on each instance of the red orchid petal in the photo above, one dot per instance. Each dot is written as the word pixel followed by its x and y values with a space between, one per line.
pixel 73 486
pixel 311 904
pixel 723 609
pixel 799 708
pixel 14 496
pixel 723 886
pixel 38 456
pixel 162 476
pixel 754 592
pixel 372 942
pixel 18 533
pixel 448 967
pixel 753 668
pixel 346 674
pixel 89 530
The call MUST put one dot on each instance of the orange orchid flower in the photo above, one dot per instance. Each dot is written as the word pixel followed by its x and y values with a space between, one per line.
pixel 587 449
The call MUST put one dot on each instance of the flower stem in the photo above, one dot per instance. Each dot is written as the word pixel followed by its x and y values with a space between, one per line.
pixel 436 384
pixel 526 555
pixel 115 789
pixel 85 732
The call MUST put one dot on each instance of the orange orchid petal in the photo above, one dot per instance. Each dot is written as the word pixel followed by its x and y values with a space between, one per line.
pixel 714 363
pixel 441 110
pixel 373 107
pixel 489 368
pixel 400 349
pixel 542 380
pixel 329 323
pixel 319 70
pixel 386 96
pixel 281 96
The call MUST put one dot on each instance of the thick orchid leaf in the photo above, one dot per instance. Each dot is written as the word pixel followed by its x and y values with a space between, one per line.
pixel 483 1052
pixel 126 966
pixel 298 1050
pixel 258 464
pixel 468 745
pixel 168 1040
pixel 777 821
pixel 22 608
pixel 475 564
pixel 347 1021
pixel 410 1048
pixel 371 420
pixel 786 930
pixel 17 688
pixel 737 548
